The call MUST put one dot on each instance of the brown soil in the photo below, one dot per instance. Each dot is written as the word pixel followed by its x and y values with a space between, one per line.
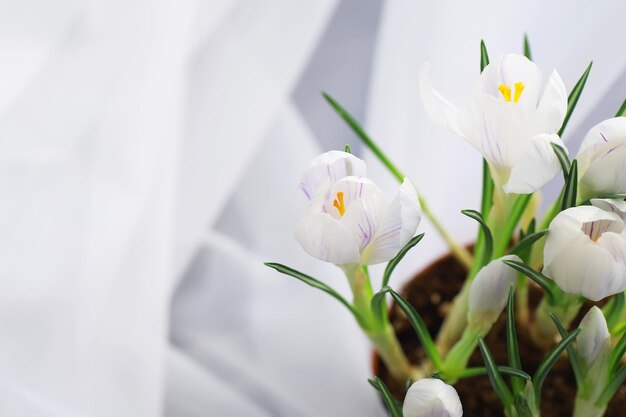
pixel 430 292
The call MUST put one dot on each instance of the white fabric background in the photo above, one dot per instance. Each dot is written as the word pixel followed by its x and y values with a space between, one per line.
pixel 149 157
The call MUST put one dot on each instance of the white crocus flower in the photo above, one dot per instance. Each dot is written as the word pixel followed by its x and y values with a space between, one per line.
pixel 585 252
pixel 350 220
pixel 489 292
pixel 431 397
pixel 507 121
pixel 602 159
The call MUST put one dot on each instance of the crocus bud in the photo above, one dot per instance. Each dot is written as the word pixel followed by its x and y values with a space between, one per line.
pixel 601 159
pixel 489 292
pixel 585 252
pixel 431 397
pixel 594 338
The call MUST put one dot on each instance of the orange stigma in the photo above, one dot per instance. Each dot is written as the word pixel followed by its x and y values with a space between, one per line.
pixel 339 204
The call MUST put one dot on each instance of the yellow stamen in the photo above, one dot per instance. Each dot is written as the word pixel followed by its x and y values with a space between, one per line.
pixel 519 87
pixel 339 205
pixel 506 91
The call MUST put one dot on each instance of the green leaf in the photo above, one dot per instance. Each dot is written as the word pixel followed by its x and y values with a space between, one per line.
pixel 484 57
pixel 379 305
pixel 617 309
pixel 571 187
pixel 574 96
pixel 527 242
pixel 561 154
pixel 347 149
pixel 544 282
pixel 622 110
pixel 618 353
pixel 420 328
pixel 391 265
pixel 572 355
pixel 488 248
pixel 495 377
pixel 390 402
pixel 360 132
pixel 612 387
pixel 549 361
pixel 511 343
pixel 504 370
pixel 527 52
pixel 315 284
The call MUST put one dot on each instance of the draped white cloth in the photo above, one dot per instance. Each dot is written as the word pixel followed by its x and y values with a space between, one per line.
pixel 149 157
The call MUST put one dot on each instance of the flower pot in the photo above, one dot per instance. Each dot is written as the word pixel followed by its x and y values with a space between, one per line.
pixel 431 292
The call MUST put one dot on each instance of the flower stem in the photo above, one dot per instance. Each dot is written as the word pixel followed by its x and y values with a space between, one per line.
pixel 587 408
pixel 543 331
pixel 380 332
pixel 459 252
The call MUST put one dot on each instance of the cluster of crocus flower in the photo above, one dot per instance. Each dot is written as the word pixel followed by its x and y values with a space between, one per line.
pixel 575 253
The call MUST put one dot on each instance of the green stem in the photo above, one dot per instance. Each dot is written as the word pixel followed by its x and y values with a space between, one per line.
pixel 459 252
pixel 458 357
pixel 543 330
pixel 586 408
pixel 380 333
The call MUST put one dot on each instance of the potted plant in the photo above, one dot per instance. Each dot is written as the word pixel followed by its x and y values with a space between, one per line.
pixel 534 295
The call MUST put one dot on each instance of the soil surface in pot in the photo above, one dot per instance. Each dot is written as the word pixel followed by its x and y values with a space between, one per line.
pixel 431 292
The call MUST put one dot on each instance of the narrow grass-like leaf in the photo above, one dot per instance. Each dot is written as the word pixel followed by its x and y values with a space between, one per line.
pixel 420 328
pixel 544 282
pixel 612 387
pixel 315 284
pixel 549 361
pixel 392 405
pixel 574 96
pixel 347 148
pixel 504 370
pixel 618 353
pixel 511 343
pixel 622 110
pixel 495 377
pixel 571 187
pixel 488 242
pixel 527 242
pixel 561 154
pixel 617 310
pixel 360 132
pixel 379 305
pixel 391 265
pixel 527 53
pixel 484 57
pixel 572 355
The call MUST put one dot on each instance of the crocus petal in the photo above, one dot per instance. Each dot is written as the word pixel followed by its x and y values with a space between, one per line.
pixel 438 108
pixel 327 169
pixel 594 336
pixel 490 289
pixel 363 217
pixel 615 244
pixel 397 226
pixel 537 165
pixel 510 69
pixel 553 105
pixel 325 238
pixel 602 159
pixel 431 397
pixel 351 189
pixel 615 206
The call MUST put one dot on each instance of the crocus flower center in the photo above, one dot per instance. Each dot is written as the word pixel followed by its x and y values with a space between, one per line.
pixel 506 91
pixel 595 229
pixel 339 204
